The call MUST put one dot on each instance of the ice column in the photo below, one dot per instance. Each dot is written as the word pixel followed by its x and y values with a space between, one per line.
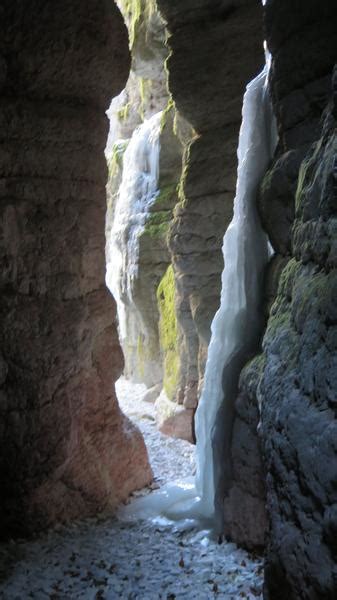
pixel 236 326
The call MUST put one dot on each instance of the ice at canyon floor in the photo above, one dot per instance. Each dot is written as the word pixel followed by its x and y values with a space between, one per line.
pixel 104 558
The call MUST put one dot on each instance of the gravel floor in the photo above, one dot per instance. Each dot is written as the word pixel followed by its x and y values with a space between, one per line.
pixel 104 558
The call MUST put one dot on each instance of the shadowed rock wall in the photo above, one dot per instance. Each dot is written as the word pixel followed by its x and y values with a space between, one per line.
pixel 303 52
pixel 65 448
pixel 298 388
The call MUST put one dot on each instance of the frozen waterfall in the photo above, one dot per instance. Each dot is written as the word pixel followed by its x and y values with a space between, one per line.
pixel 138 190
pixel 235 329
pixel 236 326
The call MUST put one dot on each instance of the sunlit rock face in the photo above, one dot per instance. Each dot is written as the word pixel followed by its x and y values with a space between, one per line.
pixel 297 390
pixel 66 449
pixel 145 92
pixel 144 172
pixel 207 79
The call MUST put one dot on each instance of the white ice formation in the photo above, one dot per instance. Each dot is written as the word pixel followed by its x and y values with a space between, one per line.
pixel 236 327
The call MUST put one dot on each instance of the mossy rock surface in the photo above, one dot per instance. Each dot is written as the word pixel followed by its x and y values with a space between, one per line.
pixel 168 332
pixel 115 161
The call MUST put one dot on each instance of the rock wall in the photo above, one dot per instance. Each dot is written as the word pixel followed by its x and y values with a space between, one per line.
pixel 245 518
pixel 207 79
pixel 65 448
pixel 297 390
pixel 300 85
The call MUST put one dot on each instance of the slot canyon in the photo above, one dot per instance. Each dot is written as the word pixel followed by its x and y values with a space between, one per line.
pixel 168 357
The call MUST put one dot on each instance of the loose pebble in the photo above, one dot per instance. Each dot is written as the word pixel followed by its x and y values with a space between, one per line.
pixel 103 558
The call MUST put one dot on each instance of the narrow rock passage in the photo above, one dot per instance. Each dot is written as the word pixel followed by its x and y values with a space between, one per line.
pixel 170 458
pixel 103 558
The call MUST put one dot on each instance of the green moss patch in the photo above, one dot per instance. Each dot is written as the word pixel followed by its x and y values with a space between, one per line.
pixel 116 159
pixel 160 218
pixel 168 332
pixel 166 198
pixel 169 107
pixel 132 11
pixel 124 112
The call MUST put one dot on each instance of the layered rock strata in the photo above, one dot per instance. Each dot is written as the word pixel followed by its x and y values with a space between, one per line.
pixel 207 80
pixel 211 107
pixel 66 448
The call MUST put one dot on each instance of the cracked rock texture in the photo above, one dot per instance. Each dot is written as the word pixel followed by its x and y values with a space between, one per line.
pixel 65 447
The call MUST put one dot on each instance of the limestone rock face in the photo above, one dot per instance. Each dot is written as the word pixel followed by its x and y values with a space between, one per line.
pixel 65 448
pixel 146 90
pixel 173 419
pixel 207 79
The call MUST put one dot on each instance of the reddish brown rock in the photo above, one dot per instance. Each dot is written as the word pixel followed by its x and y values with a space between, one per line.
pixel 65 448
pixel 174 420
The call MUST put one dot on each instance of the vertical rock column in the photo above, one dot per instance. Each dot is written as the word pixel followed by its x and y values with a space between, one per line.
pixel 207 78
pixel 66 450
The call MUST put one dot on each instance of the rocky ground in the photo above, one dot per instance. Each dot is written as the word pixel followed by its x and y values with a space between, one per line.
pixel 104 558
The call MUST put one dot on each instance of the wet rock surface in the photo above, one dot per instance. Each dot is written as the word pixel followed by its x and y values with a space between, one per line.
pixel 145 95
pixel 106 558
